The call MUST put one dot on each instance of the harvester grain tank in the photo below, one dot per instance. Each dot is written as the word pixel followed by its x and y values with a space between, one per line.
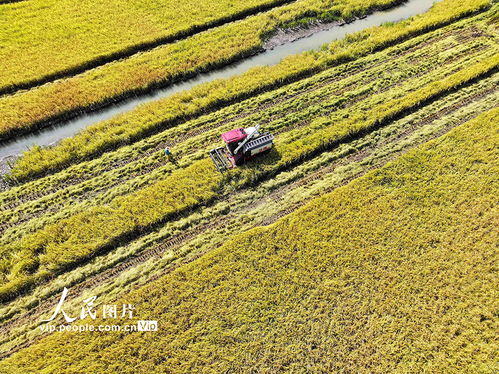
pixel 241 145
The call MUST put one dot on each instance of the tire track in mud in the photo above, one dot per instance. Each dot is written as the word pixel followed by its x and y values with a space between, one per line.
pixel 217 222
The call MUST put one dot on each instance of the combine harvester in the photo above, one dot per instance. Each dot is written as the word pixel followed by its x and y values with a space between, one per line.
pixel 241 145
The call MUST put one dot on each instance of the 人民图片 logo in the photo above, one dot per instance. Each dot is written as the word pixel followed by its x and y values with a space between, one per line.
pixel 89 310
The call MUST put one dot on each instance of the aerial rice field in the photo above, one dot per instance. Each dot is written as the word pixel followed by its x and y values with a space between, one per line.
pixel 324 273
pixel 362 243
pixel 98 30
pixel 133 125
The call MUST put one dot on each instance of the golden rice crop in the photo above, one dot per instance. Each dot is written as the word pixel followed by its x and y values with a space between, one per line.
pixel 50 37
pixel 391 273
pixel 26 110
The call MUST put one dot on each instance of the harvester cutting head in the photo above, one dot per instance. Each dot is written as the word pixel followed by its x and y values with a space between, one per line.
pixel 241 145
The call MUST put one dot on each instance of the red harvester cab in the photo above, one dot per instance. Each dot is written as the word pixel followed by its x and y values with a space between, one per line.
pixel 240 145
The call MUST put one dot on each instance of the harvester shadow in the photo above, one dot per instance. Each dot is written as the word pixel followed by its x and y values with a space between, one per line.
pixel 261 166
